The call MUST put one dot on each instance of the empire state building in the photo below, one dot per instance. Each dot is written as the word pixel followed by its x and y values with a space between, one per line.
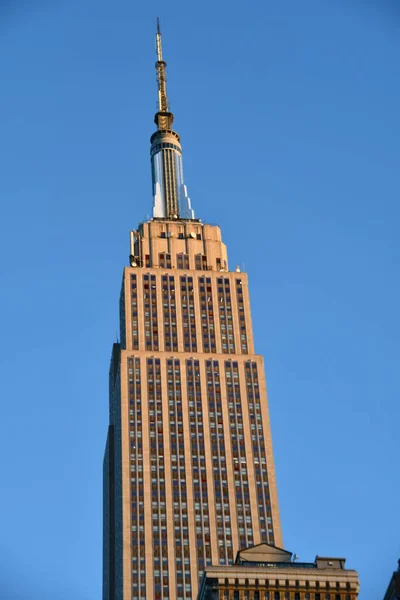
pixel 189 476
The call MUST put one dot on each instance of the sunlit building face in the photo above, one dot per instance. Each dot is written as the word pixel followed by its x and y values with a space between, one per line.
pixel 189 476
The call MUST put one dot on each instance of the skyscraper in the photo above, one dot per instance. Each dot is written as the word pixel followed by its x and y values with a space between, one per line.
pixel 189 475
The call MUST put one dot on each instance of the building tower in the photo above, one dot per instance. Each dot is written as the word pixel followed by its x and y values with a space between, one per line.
pixel 189 475
pixel 393 590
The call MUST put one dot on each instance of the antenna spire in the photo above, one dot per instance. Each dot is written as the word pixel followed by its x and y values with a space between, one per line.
pixel 161 75
pixel 170 198
pixel 158 41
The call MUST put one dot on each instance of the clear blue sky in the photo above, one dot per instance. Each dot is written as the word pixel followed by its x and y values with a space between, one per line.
pixel 289 117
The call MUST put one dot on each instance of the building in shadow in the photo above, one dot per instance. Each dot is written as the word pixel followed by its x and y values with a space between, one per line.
pixel 393 590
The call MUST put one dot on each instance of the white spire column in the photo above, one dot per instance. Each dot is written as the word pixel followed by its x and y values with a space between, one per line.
pixel 170 198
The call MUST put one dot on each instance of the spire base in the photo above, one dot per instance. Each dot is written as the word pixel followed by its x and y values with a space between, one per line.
pixel 164 120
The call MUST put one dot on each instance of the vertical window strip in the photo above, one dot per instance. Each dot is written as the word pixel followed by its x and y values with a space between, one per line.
pixel 157 473
pixel 178 470
pixel 150 312
pixel 137 489
pixel 164 260
pixel 225 315
pixel 259 455
pixel 200 262
pixel 207 314
pixel 169 313
pixel 168 187
pixel 170 183
pixel 182 261
pixel 122 319
pixel 201 511
pixel 188 315
pixel 171 157
pixel 241 317
pixel 239 463
pixel 134 313
pixel 218 456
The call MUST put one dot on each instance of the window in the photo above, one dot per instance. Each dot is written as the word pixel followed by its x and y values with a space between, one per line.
pixel 182 261
pixel 200 262
pixel 164 260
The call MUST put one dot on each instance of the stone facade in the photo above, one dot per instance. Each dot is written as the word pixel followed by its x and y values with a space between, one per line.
pixel 197 478
pixel 268 573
